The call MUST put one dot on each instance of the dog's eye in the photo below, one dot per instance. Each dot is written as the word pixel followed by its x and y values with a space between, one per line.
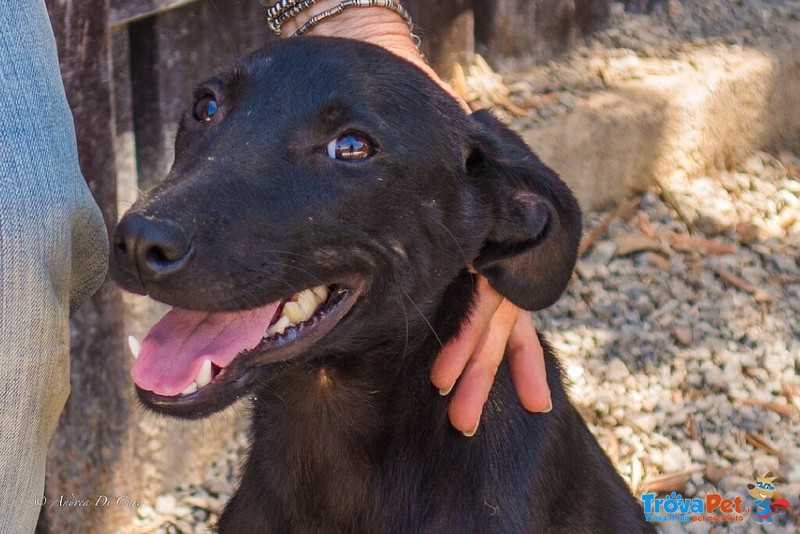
pixel 205 108
pixel 350 147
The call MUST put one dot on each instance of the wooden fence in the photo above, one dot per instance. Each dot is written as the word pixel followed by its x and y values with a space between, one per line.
pixel 128 68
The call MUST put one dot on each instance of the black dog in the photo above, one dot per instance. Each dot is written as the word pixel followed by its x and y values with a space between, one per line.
pixel 328 190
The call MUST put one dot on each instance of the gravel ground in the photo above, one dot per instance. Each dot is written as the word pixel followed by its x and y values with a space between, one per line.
pixel 527 96
pixel 684 348
pixel 679 332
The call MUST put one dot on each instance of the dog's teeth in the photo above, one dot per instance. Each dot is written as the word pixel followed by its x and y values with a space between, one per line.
pixel 204 374
pixel 294 312
pixel 321 293
pixel 279 327
pixel 191 388
pixel 307 302
pixel 302 305
pixel 135 346
pixel 309 296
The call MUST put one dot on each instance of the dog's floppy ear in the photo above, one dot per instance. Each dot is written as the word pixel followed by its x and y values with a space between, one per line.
pixel 532 241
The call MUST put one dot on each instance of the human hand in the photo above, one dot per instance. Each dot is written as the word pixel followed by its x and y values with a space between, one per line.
pixel 495 324
pixel 474 356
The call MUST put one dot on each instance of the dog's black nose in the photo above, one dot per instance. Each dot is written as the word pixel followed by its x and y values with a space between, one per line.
pixel 149 249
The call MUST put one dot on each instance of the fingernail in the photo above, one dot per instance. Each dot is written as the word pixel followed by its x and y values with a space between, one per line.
pixel 549 407
pixel 471 433
pixel 445 391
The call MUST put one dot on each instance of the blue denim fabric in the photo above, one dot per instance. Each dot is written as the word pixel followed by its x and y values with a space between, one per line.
pixel 53 249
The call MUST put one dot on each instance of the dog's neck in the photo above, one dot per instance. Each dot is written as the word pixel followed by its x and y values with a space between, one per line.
pixel 327 423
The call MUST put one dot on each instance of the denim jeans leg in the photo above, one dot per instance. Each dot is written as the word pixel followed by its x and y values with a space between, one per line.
pixel 53 248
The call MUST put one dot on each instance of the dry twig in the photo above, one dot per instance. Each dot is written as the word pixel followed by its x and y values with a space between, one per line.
pixel 685 243
pixel 622 210
pixel 672 482
pixel 674 204
pixel 760 442
pixel 784 410
pixel 740 283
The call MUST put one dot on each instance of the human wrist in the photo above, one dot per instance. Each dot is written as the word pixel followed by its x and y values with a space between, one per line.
pixel 375 25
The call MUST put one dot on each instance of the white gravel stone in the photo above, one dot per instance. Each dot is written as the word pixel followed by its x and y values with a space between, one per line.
pixel 165 504
pixel 617 371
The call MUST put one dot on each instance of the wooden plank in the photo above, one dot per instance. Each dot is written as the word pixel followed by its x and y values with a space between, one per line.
pixel 89 454
pixel 591 15
pixel 643 6
pixel 170 54
pixel 124 140
pixel 127 11
pixel 534 30
pixel 447 32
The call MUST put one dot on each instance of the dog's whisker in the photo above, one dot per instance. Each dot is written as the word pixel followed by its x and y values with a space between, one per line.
pixel 227 32
pixel 458 245
pixel 263 264
pixel 304 271
pixel 287 253
pixel 263 383
pixel 263 273
pixel 405 317
pixel 260 284
pixel 430 326
pixel 266 278
pixel 316 279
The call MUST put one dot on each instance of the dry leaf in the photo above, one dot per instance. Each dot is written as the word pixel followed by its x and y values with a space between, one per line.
pixel 715 473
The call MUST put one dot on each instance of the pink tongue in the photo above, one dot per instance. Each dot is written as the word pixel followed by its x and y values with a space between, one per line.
pixel 177 345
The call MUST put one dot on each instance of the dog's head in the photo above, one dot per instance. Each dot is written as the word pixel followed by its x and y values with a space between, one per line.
pixel 324 196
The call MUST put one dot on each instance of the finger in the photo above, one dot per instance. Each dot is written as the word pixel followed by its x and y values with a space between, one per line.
pixel 526 362
pixel 450 362
pixel 476 381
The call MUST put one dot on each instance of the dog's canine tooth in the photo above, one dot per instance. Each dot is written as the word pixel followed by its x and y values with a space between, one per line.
pixel 321 293
pixel 293 311
pixel 135 346
pixel 191 388
pixel 204 374
pixel 280 326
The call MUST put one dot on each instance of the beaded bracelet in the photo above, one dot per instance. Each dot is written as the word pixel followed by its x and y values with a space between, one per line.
pixel 283 10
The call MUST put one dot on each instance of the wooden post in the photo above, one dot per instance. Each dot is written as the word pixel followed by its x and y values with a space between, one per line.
pixel 534 30
pixel 172 52
pixel 446 28
pixel 89 455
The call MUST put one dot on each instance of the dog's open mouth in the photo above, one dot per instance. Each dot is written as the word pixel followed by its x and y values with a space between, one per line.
pixel 191 359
